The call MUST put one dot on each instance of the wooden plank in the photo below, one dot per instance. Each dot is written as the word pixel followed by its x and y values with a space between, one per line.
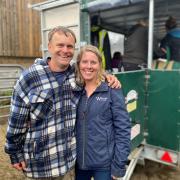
pixel 12 25
pixel 10 21
pixel 1 35
pixel 37 34
pixel 28 29
pixel 34 35
pixel 31 25
pixel 20 27
pixel 4 28
pixel 8 28
pixel 16 34
pixel 23 38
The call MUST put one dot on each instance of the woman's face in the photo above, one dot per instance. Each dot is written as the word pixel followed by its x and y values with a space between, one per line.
pixel 89 66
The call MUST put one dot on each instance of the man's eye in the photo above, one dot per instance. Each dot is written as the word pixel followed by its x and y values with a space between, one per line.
pixel 70 47
pixel 84 62
pixel 60 45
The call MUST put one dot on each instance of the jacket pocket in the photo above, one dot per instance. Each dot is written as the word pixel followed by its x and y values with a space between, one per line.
pixel 36 148
pixel 40 147
pixel 41 104
pixel 105 113
pixel 98 151
pixel 39 96
pixel 110 144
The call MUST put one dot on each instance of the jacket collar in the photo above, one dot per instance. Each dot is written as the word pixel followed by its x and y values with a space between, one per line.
pixel 102 88
pixel 70 72
pixel 175 32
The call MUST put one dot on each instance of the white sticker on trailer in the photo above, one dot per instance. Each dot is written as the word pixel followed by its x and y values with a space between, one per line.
pixel 173 157
pixel 135 130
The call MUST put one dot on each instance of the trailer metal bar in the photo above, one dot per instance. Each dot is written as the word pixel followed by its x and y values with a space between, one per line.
pixel 150 35
pixel 134 156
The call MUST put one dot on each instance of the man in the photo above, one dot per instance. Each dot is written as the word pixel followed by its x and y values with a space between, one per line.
pixel 40 135
pixel 170 44
pixel 136 46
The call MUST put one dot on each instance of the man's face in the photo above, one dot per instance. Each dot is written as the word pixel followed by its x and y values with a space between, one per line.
pixel 61 48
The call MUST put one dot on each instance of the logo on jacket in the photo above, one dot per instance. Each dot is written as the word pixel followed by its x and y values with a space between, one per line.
pixel 101 98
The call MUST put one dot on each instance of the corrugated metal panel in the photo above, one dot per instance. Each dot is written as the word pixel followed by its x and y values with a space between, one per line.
pixel 95 6
pixel 120 15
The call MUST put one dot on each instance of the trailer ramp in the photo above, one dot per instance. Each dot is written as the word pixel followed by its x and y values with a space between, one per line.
pixel 133 157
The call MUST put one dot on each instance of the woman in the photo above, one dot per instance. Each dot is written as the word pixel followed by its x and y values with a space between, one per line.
pixel 103 125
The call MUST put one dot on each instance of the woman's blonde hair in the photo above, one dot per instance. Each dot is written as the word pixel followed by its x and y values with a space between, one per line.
pixel 93 49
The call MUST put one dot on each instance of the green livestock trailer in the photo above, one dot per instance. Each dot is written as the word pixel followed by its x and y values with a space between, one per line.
pixel 152 94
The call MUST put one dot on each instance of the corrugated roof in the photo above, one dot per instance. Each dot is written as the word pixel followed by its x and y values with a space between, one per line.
pixel 119 15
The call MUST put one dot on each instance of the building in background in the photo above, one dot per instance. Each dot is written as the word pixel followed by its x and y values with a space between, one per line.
pixel 20 37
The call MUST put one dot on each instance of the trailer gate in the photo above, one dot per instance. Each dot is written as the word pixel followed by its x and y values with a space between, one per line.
pixel 8 77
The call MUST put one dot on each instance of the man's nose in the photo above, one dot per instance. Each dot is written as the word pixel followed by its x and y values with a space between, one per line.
pixel 65 49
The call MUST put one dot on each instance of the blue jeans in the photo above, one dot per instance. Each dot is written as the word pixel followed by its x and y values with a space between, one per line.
pixel 96 174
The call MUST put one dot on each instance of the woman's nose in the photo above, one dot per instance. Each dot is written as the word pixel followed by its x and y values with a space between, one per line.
pixel 89 65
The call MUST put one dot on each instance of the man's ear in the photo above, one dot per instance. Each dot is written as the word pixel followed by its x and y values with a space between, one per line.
pixel 49 46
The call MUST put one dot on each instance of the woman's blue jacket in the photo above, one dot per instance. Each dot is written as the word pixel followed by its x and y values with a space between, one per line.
pixel 103 131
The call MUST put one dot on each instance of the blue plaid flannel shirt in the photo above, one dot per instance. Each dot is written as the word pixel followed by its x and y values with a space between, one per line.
pixel 41 129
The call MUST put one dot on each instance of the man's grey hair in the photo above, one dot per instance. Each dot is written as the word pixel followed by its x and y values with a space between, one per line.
pixel 61 29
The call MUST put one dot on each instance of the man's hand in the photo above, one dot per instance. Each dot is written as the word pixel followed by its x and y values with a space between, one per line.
pixel 164 50
pixel 20 166
pixel 112 80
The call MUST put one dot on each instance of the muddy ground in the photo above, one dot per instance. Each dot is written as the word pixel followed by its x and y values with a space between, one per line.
pixel 151 170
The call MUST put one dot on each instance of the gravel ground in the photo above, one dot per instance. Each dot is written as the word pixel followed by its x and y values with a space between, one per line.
pixel 6 170
pixel 151 170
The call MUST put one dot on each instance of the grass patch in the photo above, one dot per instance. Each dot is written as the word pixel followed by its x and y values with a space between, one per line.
pixel 6 93
pixel 5 101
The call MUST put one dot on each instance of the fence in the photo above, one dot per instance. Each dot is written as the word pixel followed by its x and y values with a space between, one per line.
pixel 8 77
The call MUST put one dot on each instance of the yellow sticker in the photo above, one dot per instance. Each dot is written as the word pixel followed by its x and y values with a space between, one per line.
pixel 132 106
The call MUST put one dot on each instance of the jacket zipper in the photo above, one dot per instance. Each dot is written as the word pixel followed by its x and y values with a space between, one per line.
pixel 84 134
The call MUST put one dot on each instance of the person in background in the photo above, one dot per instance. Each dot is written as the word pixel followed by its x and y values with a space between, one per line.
pixel 170 44
pixel 100 39
pixel 136 46
pixel 40 136
pixel 117 61
pixel 103 124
